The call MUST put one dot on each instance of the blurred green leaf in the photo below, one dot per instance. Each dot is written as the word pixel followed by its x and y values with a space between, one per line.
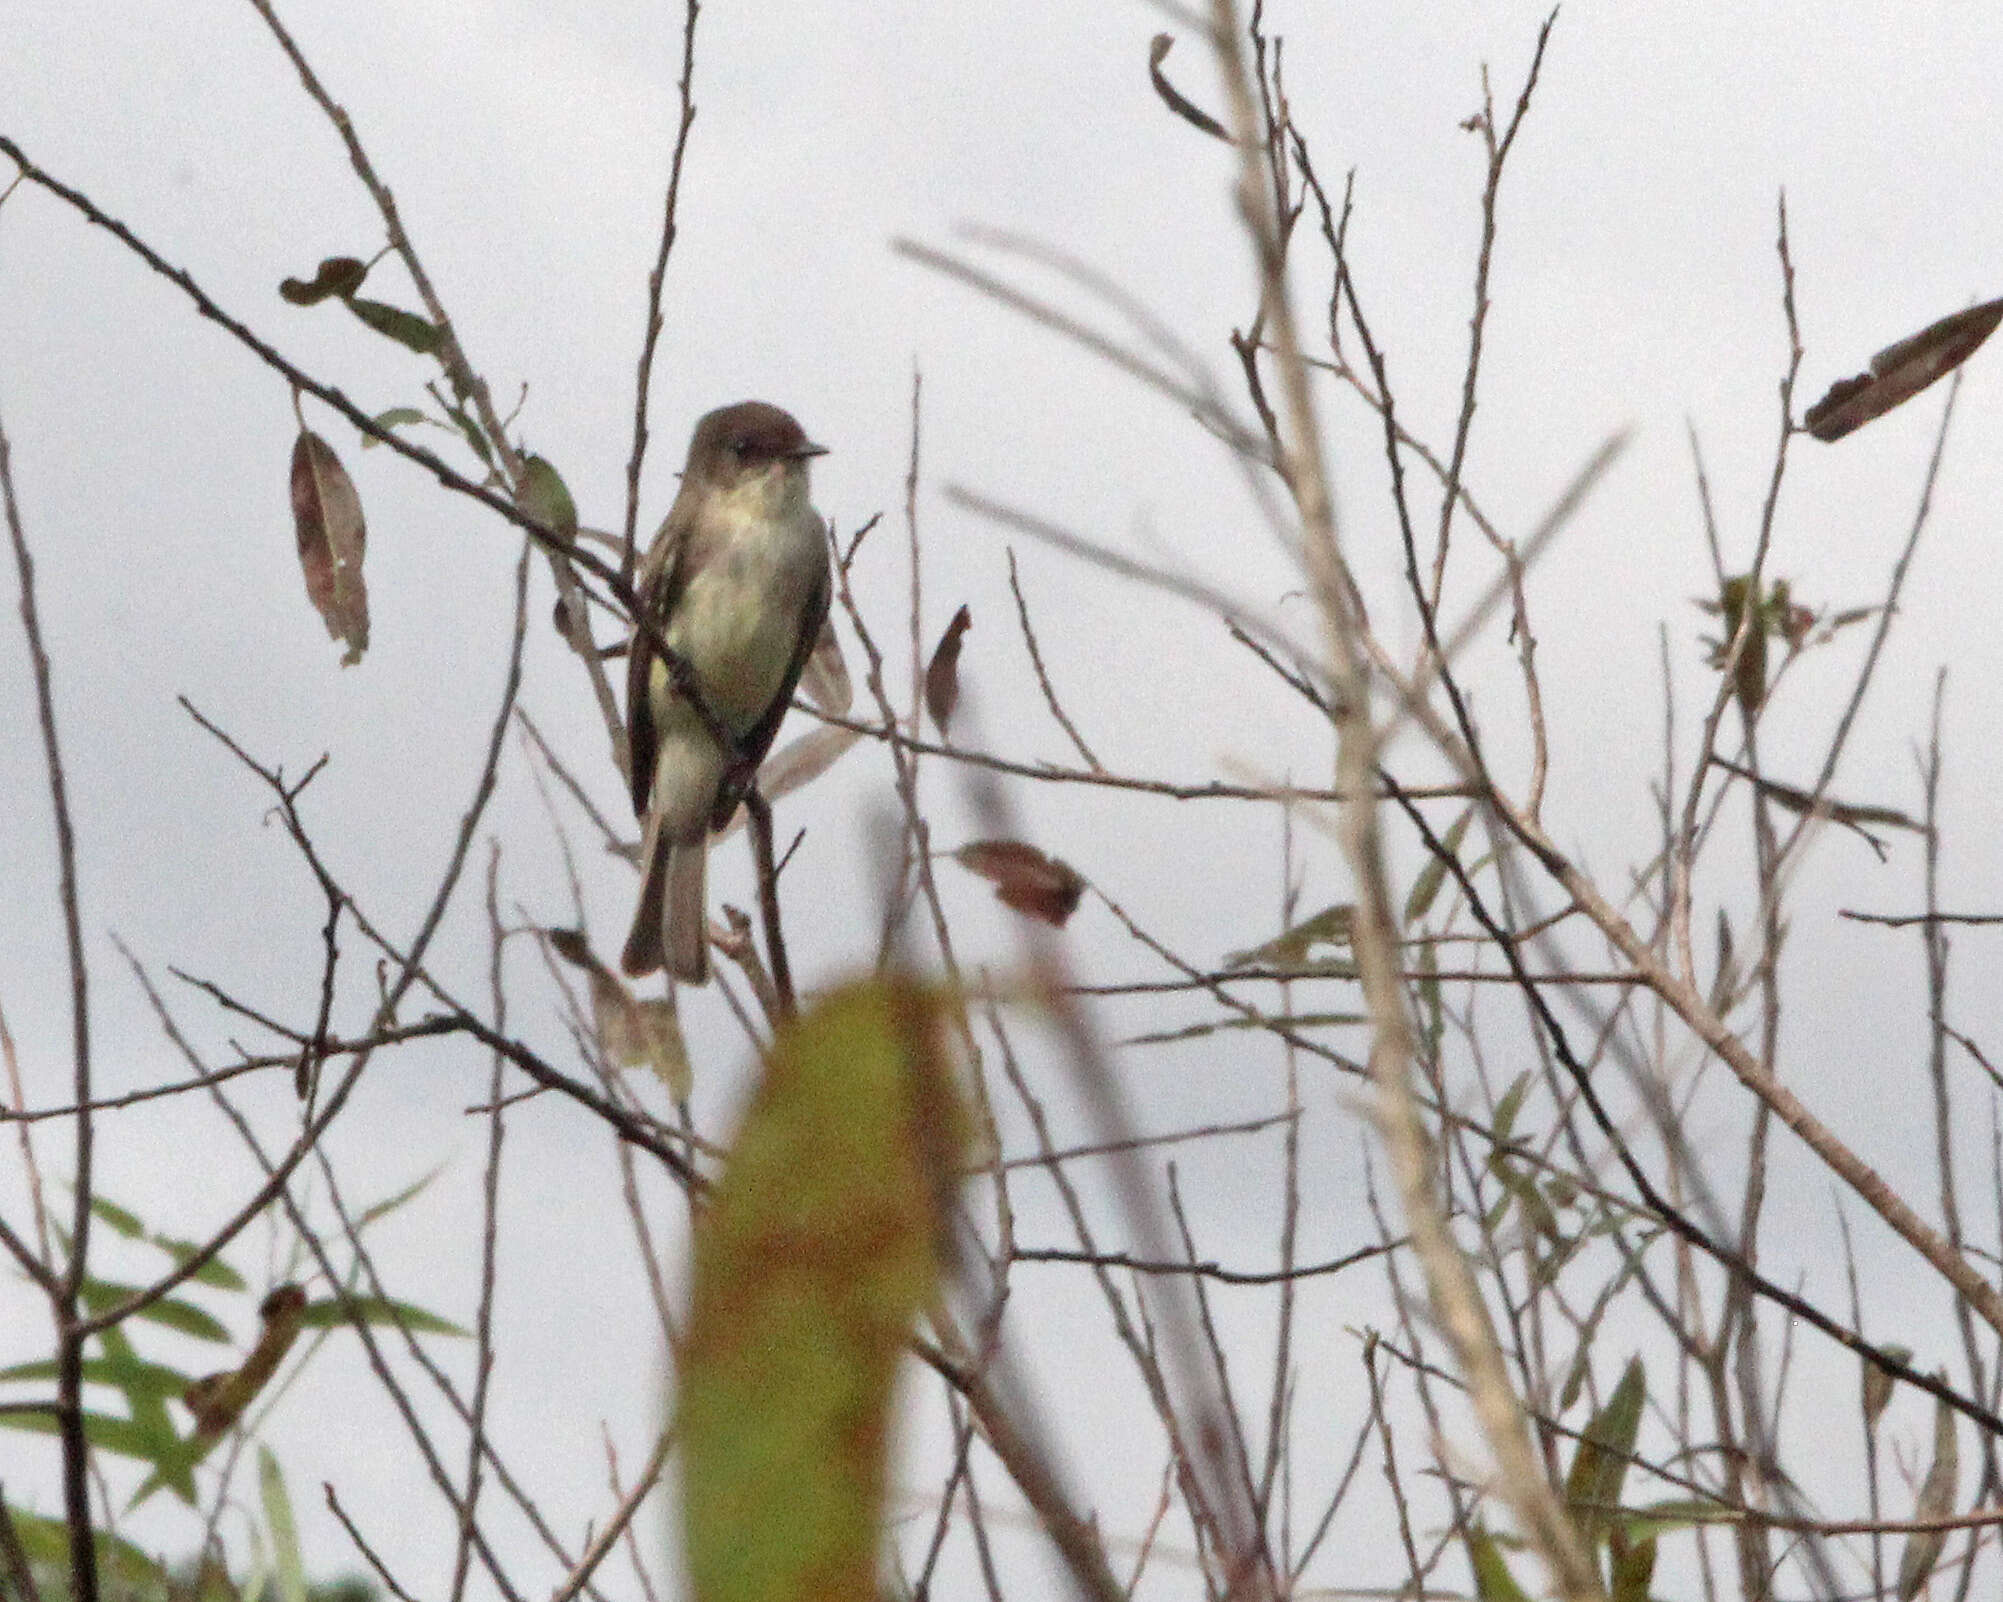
pixel 284 1533
pixel 101 1295
pixel 474 435
pixel 1599 1467
pixel 1427 885
pixel 377 1310
pixel 395 417
pixel 126 1223
pixel 819 1247
pixel 1510 1105
pixel 1878 1385
pixel 1632 1568
pixel 1492 1580
pixel 1329 927
pixel 389 1204
pixel 546 498
pixel 123 1375
pixel 393 322
pixel 1935 1501
pixel 215 1272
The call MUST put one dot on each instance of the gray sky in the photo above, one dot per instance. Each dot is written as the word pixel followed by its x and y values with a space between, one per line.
pixel 1636 286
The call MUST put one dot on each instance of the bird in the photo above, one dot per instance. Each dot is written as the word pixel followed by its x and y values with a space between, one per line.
pixel 736 584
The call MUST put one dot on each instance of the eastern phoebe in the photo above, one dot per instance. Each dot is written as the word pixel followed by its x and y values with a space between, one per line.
pixel 737 583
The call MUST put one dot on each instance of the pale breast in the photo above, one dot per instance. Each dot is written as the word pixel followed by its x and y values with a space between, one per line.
pixel 739 618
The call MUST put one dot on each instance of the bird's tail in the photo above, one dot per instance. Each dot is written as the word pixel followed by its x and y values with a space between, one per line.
pixel 684 925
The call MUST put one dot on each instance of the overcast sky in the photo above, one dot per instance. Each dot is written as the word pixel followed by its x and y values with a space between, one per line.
pixel 1636 286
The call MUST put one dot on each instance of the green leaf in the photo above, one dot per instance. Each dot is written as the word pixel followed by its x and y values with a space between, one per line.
pixel 475 436
pixel 101 1295
pixel 377 1310
pixel 1434 873
pixel 819 1248
pixel 393 322
pixel 395 417
pixel 1492 1580
pixel 215 1272
pixel 284 1533
pixel 1213 1026
pixel 1592 1489
pixel 1329 927
pixel 390 1204
pixel 122 1567
pixel 1510 1105
pixel 169 1454
pixel 546 498
pixel 126 1223
pixel 1430 999
pixel 1633 1567
pixel 130 1375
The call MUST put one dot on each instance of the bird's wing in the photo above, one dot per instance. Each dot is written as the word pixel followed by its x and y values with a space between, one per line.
pixel 661 578
pixel 759 740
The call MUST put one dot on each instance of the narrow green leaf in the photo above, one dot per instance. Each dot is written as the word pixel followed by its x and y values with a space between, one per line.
pixel 126 1223
pixel 1599 1467
pixel 1492 1580
pixel 1935 1501
pixel 1329 927
pixel 393 322
pixel 377 1310
pixel 284 1533
pixel 1431 999
pixel 472 431
pixel 395 417
pixel 1434 874
pixel 390 1204
pixel 215 1272
pixel 101 1295
pixel 1510 1105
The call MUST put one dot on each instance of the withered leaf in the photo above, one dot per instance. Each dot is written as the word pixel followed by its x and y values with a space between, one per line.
pixel 1935 1501
pixel 942 676
pixel 634 1033
pixel 1900 371
pixel 825 680
pixel 338 275
pixel 1878 1386
pixel 1158 49
pixel 393 322
pixel 218 1400
pixel 1024 878
pixel 327 517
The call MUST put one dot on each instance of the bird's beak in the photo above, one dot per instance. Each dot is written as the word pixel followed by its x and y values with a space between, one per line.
pixel 807 450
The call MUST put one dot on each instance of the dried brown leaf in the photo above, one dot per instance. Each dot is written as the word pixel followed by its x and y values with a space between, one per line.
pixel 337 275
pixel 1901 370
pixel 633 1032
pixel 942 676
pixel 825 681
pixel 1172 97
pixel 218 1400
pixel 1024 878
pixel 327 517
